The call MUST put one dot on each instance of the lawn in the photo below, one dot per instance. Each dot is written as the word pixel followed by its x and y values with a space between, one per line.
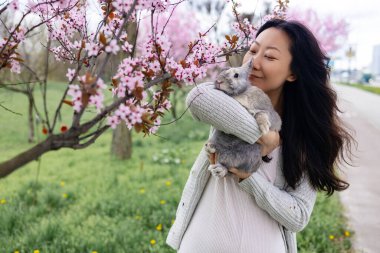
pixel 372 89
pixel 88 201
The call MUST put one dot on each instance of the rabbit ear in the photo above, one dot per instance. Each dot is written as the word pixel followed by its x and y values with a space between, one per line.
pixel 248 64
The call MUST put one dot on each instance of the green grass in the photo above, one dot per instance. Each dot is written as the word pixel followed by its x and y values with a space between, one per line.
pixel 372 89
pixel 86 200
pixel 327 230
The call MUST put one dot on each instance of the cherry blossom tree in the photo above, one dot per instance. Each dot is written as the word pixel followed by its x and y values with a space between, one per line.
pixel 330 31
pixel 141 84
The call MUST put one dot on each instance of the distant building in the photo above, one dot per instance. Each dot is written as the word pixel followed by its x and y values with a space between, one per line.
pixel 376 60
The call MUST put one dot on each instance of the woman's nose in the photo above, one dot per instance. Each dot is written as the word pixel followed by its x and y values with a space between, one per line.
pixel 256 62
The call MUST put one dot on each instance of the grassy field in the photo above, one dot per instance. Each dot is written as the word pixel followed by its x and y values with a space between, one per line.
pixel 372 89
pixel 87 201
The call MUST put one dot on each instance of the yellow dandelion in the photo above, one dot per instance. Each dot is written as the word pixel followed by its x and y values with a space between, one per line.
pixel 65 195
pixel 36 251
pixel 162 202
pixel 168 183
pixel 94 251
pixel 138 217
pixel 152 242
pixel 142 191
pixel 347 233
pixel 3 201
pixel 331 237
pixel 16 251
pixel 159 227
pixel 62 183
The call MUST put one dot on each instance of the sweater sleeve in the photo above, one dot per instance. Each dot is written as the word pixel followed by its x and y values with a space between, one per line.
pixel 224 113
pixel 292 208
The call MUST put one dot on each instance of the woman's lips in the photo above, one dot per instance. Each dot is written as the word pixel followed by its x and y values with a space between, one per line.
pixel 256 77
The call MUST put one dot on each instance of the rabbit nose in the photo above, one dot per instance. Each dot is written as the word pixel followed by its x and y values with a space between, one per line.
pixel 218 83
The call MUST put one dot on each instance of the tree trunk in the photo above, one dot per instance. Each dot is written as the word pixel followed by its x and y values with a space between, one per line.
pixel 30 120
pixel 173 109
pixel 122 142
pixel 121 145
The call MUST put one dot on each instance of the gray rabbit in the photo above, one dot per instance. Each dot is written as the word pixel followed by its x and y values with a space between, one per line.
pixel 232 151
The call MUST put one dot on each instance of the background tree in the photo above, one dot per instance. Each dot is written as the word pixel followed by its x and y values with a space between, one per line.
pixel 121 146
pixel 330 31
pixel 32 58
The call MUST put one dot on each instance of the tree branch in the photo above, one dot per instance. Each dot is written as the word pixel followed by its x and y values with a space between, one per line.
pixel 9 110
pixel 94 135
pixel 44 86
pixel 70 139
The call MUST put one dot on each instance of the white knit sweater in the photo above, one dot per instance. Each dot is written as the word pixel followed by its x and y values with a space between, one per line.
pixel 228 219
pixel 291 208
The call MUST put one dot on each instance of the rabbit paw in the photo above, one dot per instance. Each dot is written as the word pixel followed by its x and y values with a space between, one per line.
pixel 263 122
pixel 210 148
pixel 218 170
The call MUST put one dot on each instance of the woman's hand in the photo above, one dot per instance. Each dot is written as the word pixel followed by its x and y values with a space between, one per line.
pixel 212 158
pixel 269 142
pixel 240 174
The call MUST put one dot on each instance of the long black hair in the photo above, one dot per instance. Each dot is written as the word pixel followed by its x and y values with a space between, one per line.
pixel 313 137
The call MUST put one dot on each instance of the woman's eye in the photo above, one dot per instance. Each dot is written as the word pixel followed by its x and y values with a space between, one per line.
pixel 253 52
pixel 270 57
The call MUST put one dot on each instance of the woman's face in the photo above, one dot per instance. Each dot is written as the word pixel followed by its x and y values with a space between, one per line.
pixel 271 61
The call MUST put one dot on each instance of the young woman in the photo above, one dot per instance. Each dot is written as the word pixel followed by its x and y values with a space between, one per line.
pixel 262 211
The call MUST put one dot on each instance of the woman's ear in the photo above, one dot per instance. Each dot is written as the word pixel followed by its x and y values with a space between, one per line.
pixel 291 78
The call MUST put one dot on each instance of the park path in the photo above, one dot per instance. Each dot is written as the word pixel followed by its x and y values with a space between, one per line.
pixel 362 199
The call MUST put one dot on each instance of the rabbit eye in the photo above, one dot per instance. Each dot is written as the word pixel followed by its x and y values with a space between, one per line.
pixel 236 75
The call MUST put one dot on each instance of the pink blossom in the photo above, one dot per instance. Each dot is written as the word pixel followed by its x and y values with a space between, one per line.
pixel 77 105
pixel 97 101
pixel 155 127
pixel 100 84
pixel 20 34
pixel 74 91
pixel 127 47
pixel 77 44
pixel 113 121
pixel 76 95
pixel 14 5
pixel 2 42
pixel 112 47
pixel 135 118
pixel 15 67
pixel 70 74
pixel 92 48
pixel 123 112
pixel 120 91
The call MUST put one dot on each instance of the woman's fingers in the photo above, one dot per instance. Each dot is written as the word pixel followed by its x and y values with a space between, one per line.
pixel 212 158
pixel 269 142
pixel 240 174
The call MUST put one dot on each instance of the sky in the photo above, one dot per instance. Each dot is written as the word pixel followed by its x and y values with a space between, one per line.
pixel 363 17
